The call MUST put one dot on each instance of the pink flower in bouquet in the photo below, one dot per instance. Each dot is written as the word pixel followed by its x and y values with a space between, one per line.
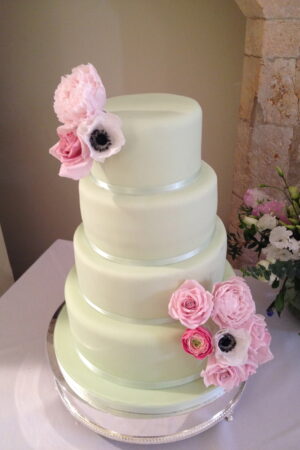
pixel 102 136
pixel 197 342
pixel 254 197
pixel 233 303
pixel 259 351
pixel 191 304
pixel 75 160
pixel 79 96
pixel 274 207
pixel 224 376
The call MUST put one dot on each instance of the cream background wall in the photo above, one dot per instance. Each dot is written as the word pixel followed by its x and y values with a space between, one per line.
pixel 189 47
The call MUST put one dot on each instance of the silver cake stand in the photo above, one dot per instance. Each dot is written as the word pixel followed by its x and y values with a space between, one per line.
pixel 140 428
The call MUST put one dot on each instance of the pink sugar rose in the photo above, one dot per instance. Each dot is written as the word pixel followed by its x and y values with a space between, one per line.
pixel 191 304
pixel 233 303
pixel 75 160
pixel 224 376
pixel 259 350
pixel 254 197
pixel 197 342
pixel 102 136
pixel 274 207
pixel 249 368
pixel 79 96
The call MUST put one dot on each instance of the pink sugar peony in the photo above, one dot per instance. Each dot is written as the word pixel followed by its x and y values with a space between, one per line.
pixel 233 303
pixel 191 304
pixel 79 96
pixel 274 207
pixel 102 136
pixel 75 160
pixel 197 342
pixel 226 377
pixel 254 197
pixel 259 351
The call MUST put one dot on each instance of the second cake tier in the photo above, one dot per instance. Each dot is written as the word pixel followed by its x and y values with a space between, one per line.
pixel 165 227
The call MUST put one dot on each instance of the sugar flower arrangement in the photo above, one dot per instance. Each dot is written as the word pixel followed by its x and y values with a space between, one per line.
pixel 271 228
pixel 88 132
pixel 223 328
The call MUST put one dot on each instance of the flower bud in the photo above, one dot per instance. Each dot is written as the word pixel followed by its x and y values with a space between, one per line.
pixel 247 220
pixel 294 192
pixel 291 212
pixel 279 171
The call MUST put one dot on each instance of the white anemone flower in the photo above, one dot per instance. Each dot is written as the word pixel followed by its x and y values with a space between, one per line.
pixel 231 346
pixel 103 135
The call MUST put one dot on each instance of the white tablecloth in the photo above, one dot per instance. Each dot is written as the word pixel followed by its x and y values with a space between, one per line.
pixel 33 417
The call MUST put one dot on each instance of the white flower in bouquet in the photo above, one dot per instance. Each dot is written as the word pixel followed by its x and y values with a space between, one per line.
pixel 280 237
pixel 273 253
pixel 294 246
pixel 266 222
pixel 249 220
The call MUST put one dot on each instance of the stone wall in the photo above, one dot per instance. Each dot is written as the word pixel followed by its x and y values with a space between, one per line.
pixel 268 129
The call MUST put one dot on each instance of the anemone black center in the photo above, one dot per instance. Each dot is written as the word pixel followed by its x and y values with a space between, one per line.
pixel 227 343
pixel 100 140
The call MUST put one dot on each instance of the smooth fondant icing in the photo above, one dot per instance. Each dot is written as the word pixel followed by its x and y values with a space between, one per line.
pixel 146 290
pixel 163 140
pixel 153 226
pixel 117 308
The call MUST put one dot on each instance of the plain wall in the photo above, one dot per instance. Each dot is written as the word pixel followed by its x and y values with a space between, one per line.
pixel 188 47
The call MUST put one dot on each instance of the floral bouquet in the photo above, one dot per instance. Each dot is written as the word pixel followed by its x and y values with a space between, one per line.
pixel 223 330
pixel 271 228
pixel 88 132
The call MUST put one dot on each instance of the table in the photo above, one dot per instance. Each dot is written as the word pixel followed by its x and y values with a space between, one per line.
pixel 33 417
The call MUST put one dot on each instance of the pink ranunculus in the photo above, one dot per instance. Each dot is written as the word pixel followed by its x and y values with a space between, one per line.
pixel 224 376
pixel 274 207
pixel 233 303
pixel 79 96
pixel 259 350
pixel 102 136
pixel 75 160
pixel 254 197
pixel 191 304
pixel 197 342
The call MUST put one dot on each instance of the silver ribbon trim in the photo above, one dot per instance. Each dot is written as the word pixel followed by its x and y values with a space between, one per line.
pixel 148 262
pixel 136 384
pixel 115 316
pixel 150 190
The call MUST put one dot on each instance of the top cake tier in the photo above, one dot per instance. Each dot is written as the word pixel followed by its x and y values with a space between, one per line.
pixel 163 141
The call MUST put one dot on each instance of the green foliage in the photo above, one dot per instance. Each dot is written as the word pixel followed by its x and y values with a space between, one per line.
pixel 286 269
pixel 234 246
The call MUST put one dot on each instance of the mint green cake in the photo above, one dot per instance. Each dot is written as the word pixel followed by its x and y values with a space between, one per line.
pixel 149 223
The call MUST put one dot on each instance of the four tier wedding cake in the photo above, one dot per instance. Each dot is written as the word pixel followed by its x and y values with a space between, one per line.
pixel 155 320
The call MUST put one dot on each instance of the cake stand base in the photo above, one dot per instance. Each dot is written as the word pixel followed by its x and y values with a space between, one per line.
pixel 140 428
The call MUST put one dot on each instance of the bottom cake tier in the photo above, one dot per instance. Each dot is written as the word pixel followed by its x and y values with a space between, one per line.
pixel 104 390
